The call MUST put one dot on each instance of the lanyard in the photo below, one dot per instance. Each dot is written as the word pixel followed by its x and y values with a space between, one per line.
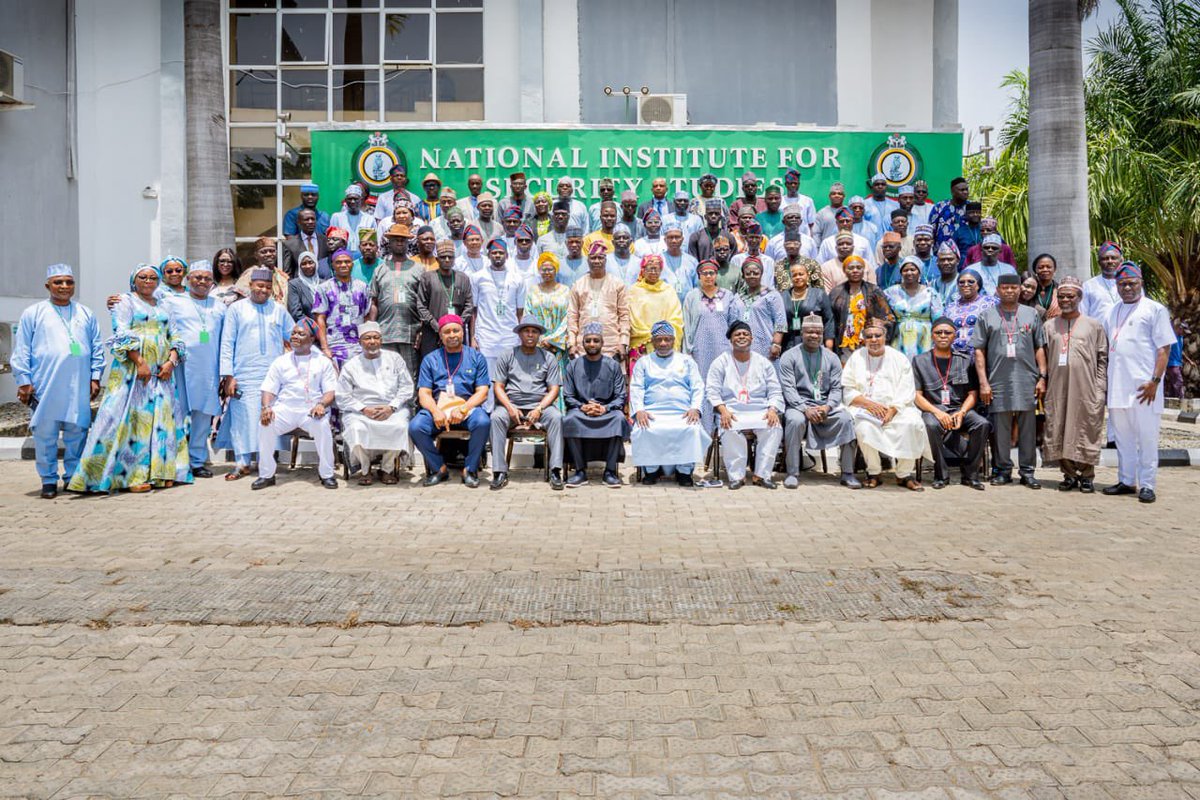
pixel 1009 331
pixel 451 373
pixel 1067 338
pixel 944 378
pixel 742 376
pixel 202 312
pixel 75 348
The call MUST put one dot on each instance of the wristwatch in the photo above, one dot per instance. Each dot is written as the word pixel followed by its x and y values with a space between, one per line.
pixel 1156 379
pixel 1043 376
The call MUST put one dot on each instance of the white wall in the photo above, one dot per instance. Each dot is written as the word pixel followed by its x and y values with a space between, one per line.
pixel 560 29
pixel 854 63
pixel 531 61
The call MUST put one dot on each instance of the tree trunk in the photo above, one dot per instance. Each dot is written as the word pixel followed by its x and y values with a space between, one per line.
pixel 1058 204
pixel 209 203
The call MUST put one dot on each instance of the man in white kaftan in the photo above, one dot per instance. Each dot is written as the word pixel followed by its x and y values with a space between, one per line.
pixel 372 393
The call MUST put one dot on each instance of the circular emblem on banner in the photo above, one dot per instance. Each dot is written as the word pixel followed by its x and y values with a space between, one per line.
pixel 897 161
pixel 374 159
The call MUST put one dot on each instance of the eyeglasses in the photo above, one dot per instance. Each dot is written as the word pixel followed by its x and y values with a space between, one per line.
pixel 201 279
pixel 968 282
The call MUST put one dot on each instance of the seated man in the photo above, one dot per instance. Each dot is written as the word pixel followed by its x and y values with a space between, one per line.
pixel 527 380
pixel 373 393
pixel 594 393
pixel 665 394
pixel 811 379
pixel 877 384
pixel 947 390
pixel 297 393
pixel 451 388
pixel 743 389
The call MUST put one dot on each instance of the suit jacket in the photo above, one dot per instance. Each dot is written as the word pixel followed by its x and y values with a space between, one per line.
pixel 300 299
pixel 668 207
pixel 293 246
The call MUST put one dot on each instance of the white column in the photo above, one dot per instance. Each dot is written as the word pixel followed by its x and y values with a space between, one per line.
pixel 854 94
pixel 560 61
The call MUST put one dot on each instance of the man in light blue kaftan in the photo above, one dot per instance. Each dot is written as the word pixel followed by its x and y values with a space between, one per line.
pixel 665 396
pixel 198 319
pixel 57 361
pixel 253 335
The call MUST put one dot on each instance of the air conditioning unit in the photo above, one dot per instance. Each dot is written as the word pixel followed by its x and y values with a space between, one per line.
pixel 12 80
pixel 662 109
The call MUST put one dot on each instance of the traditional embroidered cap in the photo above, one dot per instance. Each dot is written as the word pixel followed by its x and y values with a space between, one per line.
pixel 369 327
pixel 472 230
pixel 203 265
pixel 340 233
pixel 949 247
pixel 597 246
pixel 813 321
pixel 354 190
pixel 497 243
pixel 1070 280
pixel 308 324
pixel 662 328
pixel 485 197
pixel 843 236
pixel 682 195
pixel 878 177
pixel 59 270
pixel 448 192
pixel 574 232
pixel 512 212
pixel 923 230
pixel 309 188
pixel 856 200
pixel 1128 269
pixel 906 189
pixel 992 238
pixel 621 227
pixel 628 194
pixel 260 274
pixel 445 246
pixel 592 329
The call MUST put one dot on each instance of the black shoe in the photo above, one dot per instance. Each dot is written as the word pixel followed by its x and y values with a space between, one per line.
pixel 262 483
pixel 328 483
pixel 684 479
pixel 578 479
pixel 766 483
pixel 499 481
pixel 650 478
pixel 938 483
pixel 434 478
pixel 850 482
pixel 1031 482
pixel 1118 488
pixel 611 480
pixel 471 480
pixel 1067 484
pixel 202 472
pixel 735 485
pixel 556 481
pixel 1086 486
pixel 1146 496
pixel 1002 480
pixel 49 490
pixel 974 483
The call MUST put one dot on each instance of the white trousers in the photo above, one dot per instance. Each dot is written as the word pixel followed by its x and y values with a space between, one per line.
pixel 734 451
pixel 1136 433
pixel 362 457
pixel 904 466
pixel 287 420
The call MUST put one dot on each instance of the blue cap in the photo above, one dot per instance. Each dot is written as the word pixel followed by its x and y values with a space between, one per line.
pixel 310 187
pixel 59 270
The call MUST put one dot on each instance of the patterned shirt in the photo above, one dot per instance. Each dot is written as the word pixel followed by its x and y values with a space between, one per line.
pixel 393 290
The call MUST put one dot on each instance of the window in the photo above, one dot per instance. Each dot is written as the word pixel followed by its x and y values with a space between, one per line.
pixel 337 61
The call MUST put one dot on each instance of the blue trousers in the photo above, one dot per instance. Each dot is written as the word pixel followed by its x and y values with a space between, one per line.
pixel 198 439
pixel 421 429
pixel 45 448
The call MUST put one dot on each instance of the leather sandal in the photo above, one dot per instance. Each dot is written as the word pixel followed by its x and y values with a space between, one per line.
pixel 910 483
pixel 871 482
pixel 237 473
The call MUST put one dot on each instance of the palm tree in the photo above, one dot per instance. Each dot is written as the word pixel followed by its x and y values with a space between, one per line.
pixel 1058 170
pixel 209 203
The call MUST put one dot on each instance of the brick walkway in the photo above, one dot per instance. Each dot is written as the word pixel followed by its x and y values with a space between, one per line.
pixel 406 642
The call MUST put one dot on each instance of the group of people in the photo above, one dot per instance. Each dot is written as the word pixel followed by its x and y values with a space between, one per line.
pixel 886 328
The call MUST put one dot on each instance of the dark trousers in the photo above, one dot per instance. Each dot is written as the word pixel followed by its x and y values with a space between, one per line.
pixel 974 430
pixel 1002 425
pixel 577 451
pixel 421 430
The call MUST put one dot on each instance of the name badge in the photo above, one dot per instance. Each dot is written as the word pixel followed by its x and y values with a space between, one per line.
pixel 719 306
pixel 203 337
pixel 945 396
pixel 1011 350
pixel 1062 358
pixel 76 349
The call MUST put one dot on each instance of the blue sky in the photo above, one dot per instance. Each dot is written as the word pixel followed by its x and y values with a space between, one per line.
pixel 1002 30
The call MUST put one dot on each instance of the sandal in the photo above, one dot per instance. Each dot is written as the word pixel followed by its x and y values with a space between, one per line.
pixel 910 483
pixel 365 479
pixel 140 488
pixel 237 473
pixel 387 478
pixel 871 482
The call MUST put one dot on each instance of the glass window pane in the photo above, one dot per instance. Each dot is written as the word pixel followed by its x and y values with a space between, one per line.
pixel 301 141
pixel 252 4
pixel 407 37
pixel 291 197
pixel 286 4
pixel 355 38
pixel 355 95
pixel 408 95
pixel 252 95
pixel 407 3
pixel 254 210
pixel 252 39
pixel 252 154
pixel 459 39
pixel 460 3
pixel 303 38
pixel 356 3
pixel 460 94
pixel 305 93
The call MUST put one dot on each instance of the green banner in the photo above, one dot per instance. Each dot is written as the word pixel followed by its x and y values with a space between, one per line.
pixel 632 156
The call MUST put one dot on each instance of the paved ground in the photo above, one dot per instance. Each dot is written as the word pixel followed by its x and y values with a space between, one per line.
pixel 632 643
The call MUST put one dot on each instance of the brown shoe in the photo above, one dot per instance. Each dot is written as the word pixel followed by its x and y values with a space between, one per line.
pixel 910 483
pixel 387 478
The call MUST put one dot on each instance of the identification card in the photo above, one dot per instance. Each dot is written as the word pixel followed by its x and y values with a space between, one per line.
pixel 203 337
pixel 1062 358
pixel 719 306
pixel 945 396
pixel 453 310
pixel 450 388
pixel 1011 350
pixel 76 349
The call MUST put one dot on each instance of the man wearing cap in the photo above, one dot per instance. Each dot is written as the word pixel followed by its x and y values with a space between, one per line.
pixel 749 183
pixel 574 263
pixel 368 255
pixel 918 213
pixel 609 211
pixel 57 361
pixel 1100 291
pixel 340 305
pixel 810 377
pixel 594 395
pixel 473 258
pixel 878 206
pixel 523 257
pixel 887 274
pixel 1010 358
pixel 947 216
pixel 451 226
pixel 907 199
pixel 309 194
pixel 620 261
pixel 989 225
pixel 968 234
pixel 470 204
pixel 826 219
pixel 991 268
pixel 629 214
pixel 427 208
pixel 771 220
pixel 922 248
pixel 518 197
pixel 666 393
pixel 197 319
pixel 862 247
pixel 266 252
pixel 1139 342
pixel 947 392
pixel 707 186
pixel 499 293
pixel 863 226
pixel 700 245
pixel 253 335
pixel 577 211
pixel 386 206
pixel 651 243
pixel 511 223
pixel 606 190
pixel 743 389
pixel 451 390
pixel 681 215
pixel 373 392
pixel 392 289
pixel 526 381
pixel 793 222
pixel 443 291
pixel 793 197
pixel 309 239
pixel 599 296
pixel 679 268
pixel 1077 360
pixel 352 217
pixel 485 219
pixel 555 239
pixel 297 393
